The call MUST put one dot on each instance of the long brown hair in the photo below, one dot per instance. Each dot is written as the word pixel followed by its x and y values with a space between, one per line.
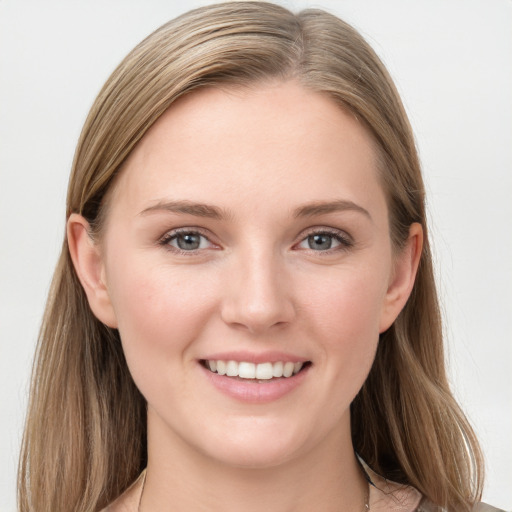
pixel 85 435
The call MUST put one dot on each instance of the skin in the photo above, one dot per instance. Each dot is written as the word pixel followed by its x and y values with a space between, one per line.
pixel 259 156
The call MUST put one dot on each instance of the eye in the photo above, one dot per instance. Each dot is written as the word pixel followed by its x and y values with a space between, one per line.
pixel 325 241
pixel 186 241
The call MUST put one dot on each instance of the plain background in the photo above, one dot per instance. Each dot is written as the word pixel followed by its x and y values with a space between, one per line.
pixel 452 62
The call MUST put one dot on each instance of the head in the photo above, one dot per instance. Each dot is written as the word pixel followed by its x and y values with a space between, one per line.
pixel 242 48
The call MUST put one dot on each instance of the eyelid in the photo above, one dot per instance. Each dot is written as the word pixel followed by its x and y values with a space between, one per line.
pixel 346 241
pixel 173 233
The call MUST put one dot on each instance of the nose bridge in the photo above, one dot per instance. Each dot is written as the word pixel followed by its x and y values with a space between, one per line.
pixel 257 297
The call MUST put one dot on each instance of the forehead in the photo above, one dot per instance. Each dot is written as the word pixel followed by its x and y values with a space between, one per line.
pixel 271 142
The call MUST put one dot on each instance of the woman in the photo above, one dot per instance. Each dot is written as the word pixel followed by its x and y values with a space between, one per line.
pixel 244 303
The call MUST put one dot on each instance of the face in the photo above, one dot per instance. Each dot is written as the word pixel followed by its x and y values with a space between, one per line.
pixel 248 236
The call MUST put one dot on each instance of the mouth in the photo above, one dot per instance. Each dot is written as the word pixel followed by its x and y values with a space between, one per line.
pixel 256 372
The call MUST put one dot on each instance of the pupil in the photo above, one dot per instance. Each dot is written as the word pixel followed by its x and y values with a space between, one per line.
pixel 320 242
pixel 188 242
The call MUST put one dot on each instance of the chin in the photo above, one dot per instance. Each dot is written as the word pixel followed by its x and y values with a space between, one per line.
pixel 253 458
pixel 258 448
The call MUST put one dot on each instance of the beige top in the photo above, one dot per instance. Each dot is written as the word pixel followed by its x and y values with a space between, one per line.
pixel 385 496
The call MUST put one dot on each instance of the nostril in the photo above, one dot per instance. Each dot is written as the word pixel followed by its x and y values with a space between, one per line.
pixel 257 306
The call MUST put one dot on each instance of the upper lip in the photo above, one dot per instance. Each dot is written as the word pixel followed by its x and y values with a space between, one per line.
pixel 255 357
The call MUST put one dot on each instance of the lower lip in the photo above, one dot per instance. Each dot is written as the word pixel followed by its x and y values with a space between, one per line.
pixel 255 391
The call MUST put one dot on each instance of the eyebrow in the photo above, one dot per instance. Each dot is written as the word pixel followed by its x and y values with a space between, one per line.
pixel 324 207
pixel 213 212
pixel 187 207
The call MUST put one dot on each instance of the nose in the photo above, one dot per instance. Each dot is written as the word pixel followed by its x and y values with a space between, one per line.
pixel 258 295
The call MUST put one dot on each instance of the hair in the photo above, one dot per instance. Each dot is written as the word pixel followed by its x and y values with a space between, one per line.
pixel 85 433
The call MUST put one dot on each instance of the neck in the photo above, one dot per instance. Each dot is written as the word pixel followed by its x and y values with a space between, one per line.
pixel 179 478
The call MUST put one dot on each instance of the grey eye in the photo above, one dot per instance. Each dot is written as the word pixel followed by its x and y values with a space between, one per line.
pixel 320 242
pixel 323 241
pixel 189 241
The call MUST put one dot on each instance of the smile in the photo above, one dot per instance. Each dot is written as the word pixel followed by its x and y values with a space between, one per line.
pixel 256 381
pixel 259 371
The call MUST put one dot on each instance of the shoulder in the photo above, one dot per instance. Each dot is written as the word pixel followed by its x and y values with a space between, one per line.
pixel 483 507
pixel 129 500
pixel 386 495
pixel 427 506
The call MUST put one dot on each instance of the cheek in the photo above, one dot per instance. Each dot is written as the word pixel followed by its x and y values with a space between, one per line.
pixel 348 304
pixel 347 318
pixel 160 312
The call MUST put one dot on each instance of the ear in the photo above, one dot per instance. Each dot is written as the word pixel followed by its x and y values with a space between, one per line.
pixel 90 268
pixel 403 276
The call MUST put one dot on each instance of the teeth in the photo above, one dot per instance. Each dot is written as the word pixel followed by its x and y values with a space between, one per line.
pixel 221 367
pixel 277 369
pixel 261 371
pixel 247 370
pixel 288 369
pixel 232 369
pixel 264 371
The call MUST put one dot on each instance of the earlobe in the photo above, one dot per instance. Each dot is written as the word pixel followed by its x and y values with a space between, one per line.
pixel 403 277
pixel 89 266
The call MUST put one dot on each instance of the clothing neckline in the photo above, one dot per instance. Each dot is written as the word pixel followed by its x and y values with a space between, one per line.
pixel 384 495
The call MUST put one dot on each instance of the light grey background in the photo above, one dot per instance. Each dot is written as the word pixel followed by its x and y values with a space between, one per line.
pixel 452 61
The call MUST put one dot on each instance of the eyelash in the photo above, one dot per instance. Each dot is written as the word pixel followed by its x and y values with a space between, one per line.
pixel 344 240
pixel 166 240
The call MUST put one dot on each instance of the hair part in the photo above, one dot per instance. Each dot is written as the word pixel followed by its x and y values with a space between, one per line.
pixel 85 434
